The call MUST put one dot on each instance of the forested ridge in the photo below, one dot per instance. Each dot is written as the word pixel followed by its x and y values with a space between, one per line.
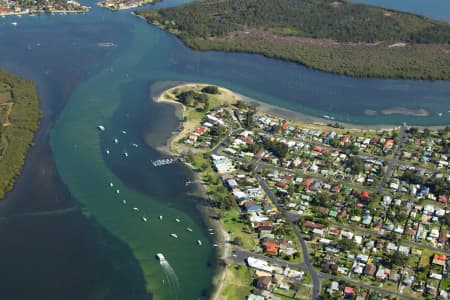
pixel 19 115
pixel 322 34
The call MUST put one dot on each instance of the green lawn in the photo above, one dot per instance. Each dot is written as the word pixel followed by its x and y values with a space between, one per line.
pixel 238 283
pixel 239 228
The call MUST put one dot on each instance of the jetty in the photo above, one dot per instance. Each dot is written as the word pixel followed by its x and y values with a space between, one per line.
pixel 163 162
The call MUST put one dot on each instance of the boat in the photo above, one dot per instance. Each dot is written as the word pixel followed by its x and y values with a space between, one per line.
pixel 135 145
pixel 107 152
pixel 160 257
pixel 135 209
pixel 326 117
pixel 210 229
pixel 212 233
pixel 199 242
pixel 124 201
pixel 106 44
pixel 117 191
pixel 189 229
pixel 124 132
pixel 14 23
pixel 144 219
pixel 178 220
pixel 125 154
pixel 160 217
pixel 215 245
pixel 101 127
pixel 111 184
pixel 174 235
pixel 116 141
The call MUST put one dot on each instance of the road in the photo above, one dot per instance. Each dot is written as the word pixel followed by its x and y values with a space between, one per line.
pixel 306 258
pixel 393 161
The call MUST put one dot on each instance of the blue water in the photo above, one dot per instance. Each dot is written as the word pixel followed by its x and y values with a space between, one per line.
pixel 83 85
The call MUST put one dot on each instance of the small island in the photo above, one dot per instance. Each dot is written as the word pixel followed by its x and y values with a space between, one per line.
pixel 124 4
pixel 334 36
pixel 40 6
pixel 19 120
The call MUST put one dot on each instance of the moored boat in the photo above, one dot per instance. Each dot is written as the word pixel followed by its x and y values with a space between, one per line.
pixel 199 242
pixel 189 229
pixel 174 235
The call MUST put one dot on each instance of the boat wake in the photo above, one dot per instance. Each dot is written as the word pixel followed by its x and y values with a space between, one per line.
pixel 171 279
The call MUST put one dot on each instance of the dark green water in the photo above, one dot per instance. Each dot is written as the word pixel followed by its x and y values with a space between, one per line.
pixel 111 253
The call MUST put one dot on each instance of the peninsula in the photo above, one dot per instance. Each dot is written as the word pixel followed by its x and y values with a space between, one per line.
pixel 313 210
pixel 333 36
pixel 34 7
pixel 19 120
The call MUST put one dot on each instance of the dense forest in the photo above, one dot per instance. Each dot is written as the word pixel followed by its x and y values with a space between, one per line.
pixel 334 36
pixel 19 121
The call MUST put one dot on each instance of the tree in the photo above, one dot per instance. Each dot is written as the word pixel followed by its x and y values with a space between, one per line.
pixel 211 89
pixel 238 241
pixel 397 258
pixel 355 164
pixel 346 244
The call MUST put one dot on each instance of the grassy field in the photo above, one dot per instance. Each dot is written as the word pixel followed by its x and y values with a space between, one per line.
pixel 237 284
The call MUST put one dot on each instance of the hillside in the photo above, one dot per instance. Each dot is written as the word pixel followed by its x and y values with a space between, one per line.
pixel 19 119
pixel 333 36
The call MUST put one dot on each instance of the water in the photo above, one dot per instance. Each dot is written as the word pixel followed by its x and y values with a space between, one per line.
pixel 84 240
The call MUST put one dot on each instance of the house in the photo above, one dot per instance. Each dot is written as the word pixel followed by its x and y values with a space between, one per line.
pixel 309 224
pixel 251 206
pixel 439 259
pixel 443 237
pixel 349 291
pixel 270 248
pixel 264 282
pixel 370 270
pixel 334 287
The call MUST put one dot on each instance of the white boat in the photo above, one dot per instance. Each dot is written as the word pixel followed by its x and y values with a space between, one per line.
pixel 124 132
pixel 177 220
pixel 116 141
pixel 189 229
pixel 107 151
pixel 111 184
pixel 326 117
pixel 212 233
pixel 199 242
pixel 124 201
pixel 210 229
pixel 144 219
pixel 135 209
pixel 215 245
pixel 117 191
pixel 160 257
pixel 14 23
pixel 101 127
pixel 160 217
pixel 125 154
pixel 135 145
pixel 174 235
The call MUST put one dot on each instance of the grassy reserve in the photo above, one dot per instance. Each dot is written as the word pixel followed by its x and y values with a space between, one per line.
pixel 330 35
pixel 238 282
pixel 19 117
